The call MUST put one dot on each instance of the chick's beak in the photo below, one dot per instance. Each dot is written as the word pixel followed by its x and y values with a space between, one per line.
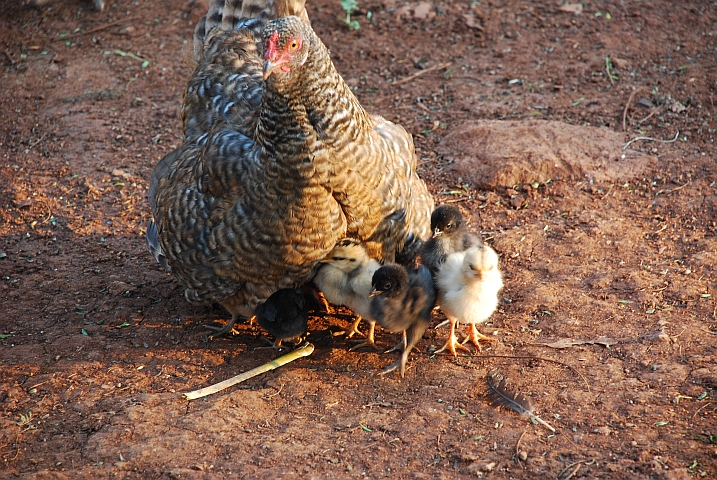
pixel 437 233
pixel 373 293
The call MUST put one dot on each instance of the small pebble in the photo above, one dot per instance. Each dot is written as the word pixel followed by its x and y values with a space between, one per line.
pixel 523 455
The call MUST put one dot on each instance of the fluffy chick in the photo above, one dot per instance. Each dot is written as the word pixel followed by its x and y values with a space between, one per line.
pixel 285 314
pixel 345 279
pixel 450 235
pixel 468 283
pixel 402 301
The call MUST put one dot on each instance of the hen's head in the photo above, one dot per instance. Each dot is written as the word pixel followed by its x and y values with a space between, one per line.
pixel 447 220
pixel 286 46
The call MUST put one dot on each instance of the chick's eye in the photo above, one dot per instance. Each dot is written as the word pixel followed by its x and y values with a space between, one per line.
pixel 387 286
pixel 449 226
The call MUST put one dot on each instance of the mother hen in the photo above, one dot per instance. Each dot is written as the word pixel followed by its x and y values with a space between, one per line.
pixel 279 162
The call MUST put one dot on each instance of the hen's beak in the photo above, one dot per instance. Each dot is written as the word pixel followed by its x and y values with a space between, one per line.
pixel 269 67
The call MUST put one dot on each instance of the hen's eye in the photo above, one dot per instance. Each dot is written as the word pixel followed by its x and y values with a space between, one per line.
pixel 293 45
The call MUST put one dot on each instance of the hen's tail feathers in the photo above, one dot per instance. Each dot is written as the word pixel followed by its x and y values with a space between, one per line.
pixel 228 14
pixel 154 246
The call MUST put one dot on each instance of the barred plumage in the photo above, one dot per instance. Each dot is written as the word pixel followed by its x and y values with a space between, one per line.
pixel 272 173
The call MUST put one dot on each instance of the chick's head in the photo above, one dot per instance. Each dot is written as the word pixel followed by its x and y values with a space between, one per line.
pixel 446 220
pixel 480 261
pixel 389 281
pixel 348 254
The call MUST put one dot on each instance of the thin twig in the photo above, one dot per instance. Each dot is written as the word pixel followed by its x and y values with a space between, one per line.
pixel 624 147
pixel 627 105
pixel 574 471
pixel 302 351
pixel 654 111
pixel 103 27
pixel 418 74
pixel 41 139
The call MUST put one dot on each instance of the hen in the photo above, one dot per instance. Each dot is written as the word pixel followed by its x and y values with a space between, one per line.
pixel 468 283
pixel 279 162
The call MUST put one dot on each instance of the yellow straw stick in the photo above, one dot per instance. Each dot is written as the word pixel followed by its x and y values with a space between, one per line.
pixel 303 351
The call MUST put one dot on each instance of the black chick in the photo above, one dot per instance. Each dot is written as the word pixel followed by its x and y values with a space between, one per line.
pixel 285 314
pixel 402 301
pixel 450 235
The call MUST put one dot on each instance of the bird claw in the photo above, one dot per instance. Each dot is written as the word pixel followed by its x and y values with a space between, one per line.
pixel 221 331
pixel 451 347
pixel 365 343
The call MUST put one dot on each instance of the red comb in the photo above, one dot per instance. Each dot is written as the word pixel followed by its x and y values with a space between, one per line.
pixel 271 45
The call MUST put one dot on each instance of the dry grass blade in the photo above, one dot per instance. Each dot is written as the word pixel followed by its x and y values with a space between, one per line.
pixel 502 397
pixel 302 351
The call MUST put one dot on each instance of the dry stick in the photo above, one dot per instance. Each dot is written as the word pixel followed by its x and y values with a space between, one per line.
pixel 103 27
pixel 302 351
pixel 418 74
pixel 624 112
pixel 624 147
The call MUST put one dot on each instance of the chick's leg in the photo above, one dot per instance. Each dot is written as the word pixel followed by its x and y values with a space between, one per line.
pixel 474 336
pixel 411 336
pixel 370 341
pixel 452 342
pixel 354 328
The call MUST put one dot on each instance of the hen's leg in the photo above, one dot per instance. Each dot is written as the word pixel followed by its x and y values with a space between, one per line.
pixel 474 336
pixel 370 341
pixel 229 327
pixel 452 342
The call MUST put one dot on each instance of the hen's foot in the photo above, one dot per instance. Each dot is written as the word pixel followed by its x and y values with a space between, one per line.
pixel 221 331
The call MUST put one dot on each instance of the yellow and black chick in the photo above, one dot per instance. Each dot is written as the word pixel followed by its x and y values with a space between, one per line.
pixel 345 279
pixel 402 300
pixel 468 283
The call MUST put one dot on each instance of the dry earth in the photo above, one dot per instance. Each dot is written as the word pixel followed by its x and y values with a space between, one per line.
pixel 520 111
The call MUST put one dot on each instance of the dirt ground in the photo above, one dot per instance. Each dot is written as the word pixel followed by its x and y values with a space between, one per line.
pixel 520 110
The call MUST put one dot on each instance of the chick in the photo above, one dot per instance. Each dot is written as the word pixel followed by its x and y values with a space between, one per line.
pixel 402 301
pixel 468 283
pixel 449 236
pixel 285 314
pixel 345 279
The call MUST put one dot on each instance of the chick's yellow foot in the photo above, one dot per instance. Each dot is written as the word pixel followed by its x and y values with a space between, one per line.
pixel 474 336
pixel 354 328
pixel 452 342
pixel 369 342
